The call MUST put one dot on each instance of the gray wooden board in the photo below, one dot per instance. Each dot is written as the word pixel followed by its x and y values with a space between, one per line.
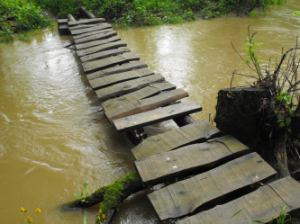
pixel 97 36
pixel 62 21
pixel 110 61
pixel 91 33
pixel 196 132
pixel 117 69
pixel 120 77
pixel 143 119
pixel 196 156
pixel 63 27
pixel 263 204
pixel 190 194
pixel 104 54
pixel 135 103
pixel 128 87
pixel 86 21
pixel 94 28
pixel 93 47
pixel 80 27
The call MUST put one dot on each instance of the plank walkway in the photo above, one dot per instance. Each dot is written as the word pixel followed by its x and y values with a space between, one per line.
pixel 211 167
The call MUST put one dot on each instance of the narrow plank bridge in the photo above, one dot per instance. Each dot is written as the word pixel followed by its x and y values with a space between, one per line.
pixel 215 172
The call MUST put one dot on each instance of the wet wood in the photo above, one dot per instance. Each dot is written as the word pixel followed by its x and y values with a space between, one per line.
pixel 80 27
pixel 93 37
pixel 71 18
pixel 87 13
pixel 62 21
pixel 117 69
pixel 121 77
pixel 94 28
pixel 196 132
pixel 155 116
pixel 263 204
pixel 86 21
pixel 128 87
pixel 90 47
pixel 106 62
pixel 185 196
pixel 91 33
pixel 193 157
pixel 63 29
pixel 104 54
pixel 135 103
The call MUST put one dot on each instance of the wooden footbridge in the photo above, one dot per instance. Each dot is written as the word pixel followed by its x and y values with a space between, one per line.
pixel 215 172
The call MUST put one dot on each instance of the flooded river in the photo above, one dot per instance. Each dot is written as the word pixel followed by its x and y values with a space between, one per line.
pixel 53 137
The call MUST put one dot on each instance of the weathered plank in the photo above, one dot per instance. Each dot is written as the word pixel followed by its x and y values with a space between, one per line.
pixel 106 62
pixel 90 47
pixel 93 37
pixel 136 121
pixel 91 33
pixel 196 132
pixel 121 77
pixel 104 54
pixel 263 204
pixel 135 103
pixel 86 21
pixel 63 29
pixel 94 28
pixel 62 21
pixel 128 87
pixel 190 194
pixel 192 157
pixel 80 27
pixel 117 69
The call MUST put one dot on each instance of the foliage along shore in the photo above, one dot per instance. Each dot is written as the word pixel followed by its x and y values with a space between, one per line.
pixel 25 15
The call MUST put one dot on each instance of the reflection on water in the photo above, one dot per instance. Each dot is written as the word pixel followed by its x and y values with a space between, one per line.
pixel 53 137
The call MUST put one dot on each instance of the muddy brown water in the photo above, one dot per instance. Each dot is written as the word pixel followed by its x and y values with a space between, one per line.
pixel 52 136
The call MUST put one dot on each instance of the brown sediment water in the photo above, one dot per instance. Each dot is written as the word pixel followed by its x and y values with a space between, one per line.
pixel 53 137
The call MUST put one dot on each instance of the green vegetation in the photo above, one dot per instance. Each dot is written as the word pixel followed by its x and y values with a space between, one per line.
pixel 20 15
pixel 29 220
pixel 86 192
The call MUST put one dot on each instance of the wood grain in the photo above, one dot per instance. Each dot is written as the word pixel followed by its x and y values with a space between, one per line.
pixel 91 33
pixel 143 119
pixel 196 132
pixel 190 194
pixel 198 157
pixel 99 45
pixel 104 54
pixel 86 21
pixel 94 37
pixel 94 28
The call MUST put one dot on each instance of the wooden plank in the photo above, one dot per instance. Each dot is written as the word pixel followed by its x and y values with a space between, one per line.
pixel 117 69
pixel 191 193
pixel 62 21
pixel 80 27
pixel 189 158
pixel 128 87
pixel 134 103
pixel 86 21
pixel 263 204
pixel 90 47
pixel 63 29
pixel 106 62
pixel 93 37
pixel 104 54
pixel 196 132
pixel 94 28
pixel 91 33
pixel 120 77
pixel 136 121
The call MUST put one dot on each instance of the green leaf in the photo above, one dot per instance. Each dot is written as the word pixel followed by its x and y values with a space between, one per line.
pixel 86 183
pixel 83 200
pixel 84 219
pixel 76 195
pixel 282 124
pixel 236 213
pixel 82 193
pixel 288 121
pixel 88 191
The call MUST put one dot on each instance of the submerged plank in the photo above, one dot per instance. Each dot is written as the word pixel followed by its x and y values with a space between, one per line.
pixel 93 47
pixel 143 119
pixel 128 87
pixel 86 21
pixel 263 204
pixel 121 77
pixel 189 158
pixel 91 33
pixel 106 62
pixel 190 194
pixel 94 28
pixel 104 54
pixel 97 36
pixel 196 132
pixel 135 103
pixel 117 69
